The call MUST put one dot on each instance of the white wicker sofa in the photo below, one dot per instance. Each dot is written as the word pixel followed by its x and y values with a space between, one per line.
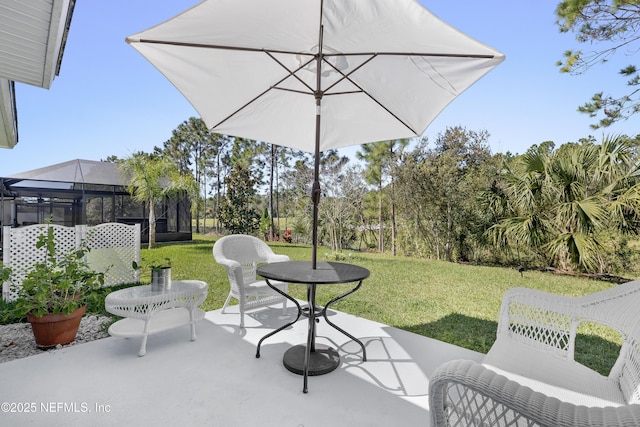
pixel 530 377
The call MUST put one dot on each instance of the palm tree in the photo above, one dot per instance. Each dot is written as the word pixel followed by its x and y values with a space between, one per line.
pixel 151 178
pixel 562 202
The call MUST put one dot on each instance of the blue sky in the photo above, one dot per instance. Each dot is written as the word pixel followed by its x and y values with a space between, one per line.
pixel 108 100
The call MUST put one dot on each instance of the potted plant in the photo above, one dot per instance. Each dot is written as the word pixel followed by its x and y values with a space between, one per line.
pixel 160 274
pixel 54 294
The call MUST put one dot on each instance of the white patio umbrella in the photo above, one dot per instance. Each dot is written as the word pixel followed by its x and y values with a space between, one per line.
pixel 315 75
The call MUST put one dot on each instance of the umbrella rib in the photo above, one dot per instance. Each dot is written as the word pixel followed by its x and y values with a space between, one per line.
pixel 275 86
pixel 346 76
pixel 324 94
pixel 385 108
pixel 292 73
pixel 221 47
pixel 250 102
pixel 346 92
pixel 292 90
pixel 238 110
pixel 253 49
pixel 269 52
pixel 441 55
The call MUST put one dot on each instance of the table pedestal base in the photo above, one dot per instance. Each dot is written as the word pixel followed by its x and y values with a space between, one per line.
pixel 322 361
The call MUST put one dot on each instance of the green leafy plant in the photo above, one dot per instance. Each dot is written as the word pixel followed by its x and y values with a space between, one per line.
pixel 153 265
pixel 61 283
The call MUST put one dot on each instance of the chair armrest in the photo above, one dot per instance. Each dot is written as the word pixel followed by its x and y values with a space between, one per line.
pixel 277 258
pixel 541 299
pixel 229 264
pixel 234 272
pixel 463 392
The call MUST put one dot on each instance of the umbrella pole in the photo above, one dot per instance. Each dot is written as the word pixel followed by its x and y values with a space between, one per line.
pixel 315 190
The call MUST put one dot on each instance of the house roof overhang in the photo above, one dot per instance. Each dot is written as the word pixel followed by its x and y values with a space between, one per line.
pixel 33 35
pixel 8 114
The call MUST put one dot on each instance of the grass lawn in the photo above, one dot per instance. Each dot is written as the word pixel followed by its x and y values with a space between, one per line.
pixel 454 303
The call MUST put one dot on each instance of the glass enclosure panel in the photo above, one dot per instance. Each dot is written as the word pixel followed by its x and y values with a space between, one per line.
pixel 108 209
pixel 28 213
pixel 173 217
pixel 184 216
pixel 95 214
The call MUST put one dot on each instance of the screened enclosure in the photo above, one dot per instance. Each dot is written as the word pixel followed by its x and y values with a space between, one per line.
pixel 85 192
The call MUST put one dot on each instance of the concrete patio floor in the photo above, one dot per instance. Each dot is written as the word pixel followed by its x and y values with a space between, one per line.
pixel 217 380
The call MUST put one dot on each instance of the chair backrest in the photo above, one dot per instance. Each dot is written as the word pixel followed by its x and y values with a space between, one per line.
pixel 617 307
pixel 553 328
pixel 242 248
pixel 248 251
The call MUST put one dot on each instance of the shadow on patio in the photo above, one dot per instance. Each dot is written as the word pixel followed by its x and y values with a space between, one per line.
pixel 459 328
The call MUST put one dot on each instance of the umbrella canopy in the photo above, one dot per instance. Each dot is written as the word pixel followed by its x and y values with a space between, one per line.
pixel 315 75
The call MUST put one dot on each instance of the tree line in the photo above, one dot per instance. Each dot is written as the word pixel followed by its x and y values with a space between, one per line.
pixel 574 208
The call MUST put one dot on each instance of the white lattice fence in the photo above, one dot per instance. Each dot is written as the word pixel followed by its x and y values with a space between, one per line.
pixel 19 246
pixel 114 247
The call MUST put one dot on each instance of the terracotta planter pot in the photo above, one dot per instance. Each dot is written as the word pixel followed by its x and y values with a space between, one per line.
pixel 53 329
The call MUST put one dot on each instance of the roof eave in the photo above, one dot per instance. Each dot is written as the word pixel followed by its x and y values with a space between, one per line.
pixel 8 115
pixel 61 15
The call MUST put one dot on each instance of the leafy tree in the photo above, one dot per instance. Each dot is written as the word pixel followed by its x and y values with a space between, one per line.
pixel 283 164
pixel 374 155
pixel 565 204
pixel 152 178
pixel 237 211
pixel 331 177
pixel 438 193
pixel 281 177
pixel 340 207
pixel 297 182
pixel 192 147
pixel 251 155
pixel 381 158
pixel 221 164
pixel 111 159
pixel 615 25
pixel 265 224
pixel 396 149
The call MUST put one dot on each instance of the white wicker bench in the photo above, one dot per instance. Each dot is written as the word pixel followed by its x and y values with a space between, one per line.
pixel 530 377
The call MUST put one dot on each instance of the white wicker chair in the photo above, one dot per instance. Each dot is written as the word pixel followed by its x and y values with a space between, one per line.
pixel 530 377
pixel 240 255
